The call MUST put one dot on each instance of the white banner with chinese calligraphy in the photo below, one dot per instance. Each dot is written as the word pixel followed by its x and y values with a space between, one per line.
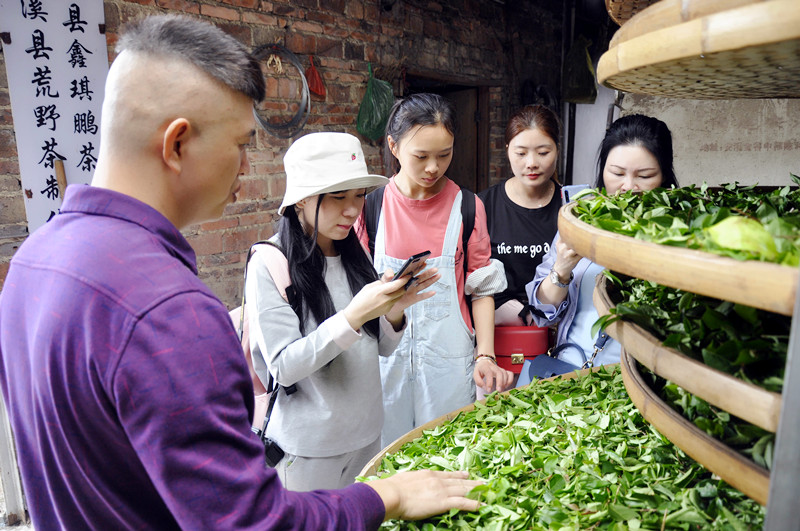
pixel 56 64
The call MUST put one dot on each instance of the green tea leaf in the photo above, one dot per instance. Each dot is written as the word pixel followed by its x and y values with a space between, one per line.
pixel 586 459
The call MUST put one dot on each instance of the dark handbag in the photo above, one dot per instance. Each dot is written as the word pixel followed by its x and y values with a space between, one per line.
pixel 273 453
pixel 548 365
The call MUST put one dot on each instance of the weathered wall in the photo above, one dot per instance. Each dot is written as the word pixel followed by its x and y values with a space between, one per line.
pixel 722 141
pixel 474 42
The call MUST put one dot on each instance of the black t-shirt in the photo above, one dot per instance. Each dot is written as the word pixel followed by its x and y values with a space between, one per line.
pixel 520 237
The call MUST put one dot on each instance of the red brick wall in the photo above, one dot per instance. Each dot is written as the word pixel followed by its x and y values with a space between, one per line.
pixel 474 42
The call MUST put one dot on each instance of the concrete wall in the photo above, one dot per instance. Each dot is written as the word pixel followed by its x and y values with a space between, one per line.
pixel 496 45
pixel 714 141
pixel 722 141
pixel 590 128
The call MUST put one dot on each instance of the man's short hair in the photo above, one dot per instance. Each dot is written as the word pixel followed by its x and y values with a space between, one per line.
pixel 198 43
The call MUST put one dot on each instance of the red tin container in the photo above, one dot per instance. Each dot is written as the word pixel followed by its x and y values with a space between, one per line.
pixel 514 344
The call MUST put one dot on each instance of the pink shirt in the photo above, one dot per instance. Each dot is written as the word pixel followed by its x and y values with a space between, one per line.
pixel 416 225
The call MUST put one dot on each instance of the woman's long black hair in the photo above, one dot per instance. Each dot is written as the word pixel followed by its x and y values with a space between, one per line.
pixel 417 109
pixel 307 268
pixel 639 130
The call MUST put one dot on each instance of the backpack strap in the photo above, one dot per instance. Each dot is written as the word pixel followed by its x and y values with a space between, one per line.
pixel 467 220
pixel 250 252
pixel 468 225
pixel 372 213
pixel 278 267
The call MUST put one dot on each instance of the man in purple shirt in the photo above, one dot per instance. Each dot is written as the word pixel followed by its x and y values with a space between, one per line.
pixel 126 385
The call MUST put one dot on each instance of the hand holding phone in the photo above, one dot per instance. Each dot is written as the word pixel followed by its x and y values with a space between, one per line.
pixel 411 267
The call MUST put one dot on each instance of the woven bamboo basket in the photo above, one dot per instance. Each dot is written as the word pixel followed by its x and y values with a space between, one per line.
pixel 371 468
pixel 752 51
pixel 763 285
pixel 621 11
pixel 733 467
pixel 745 400
pixel 665 13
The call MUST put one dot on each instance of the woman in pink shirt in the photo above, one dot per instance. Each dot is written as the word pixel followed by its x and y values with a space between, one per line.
pixel 436 367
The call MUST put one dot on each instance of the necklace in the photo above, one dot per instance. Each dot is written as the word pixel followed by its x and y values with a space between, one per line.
pixel 522 199
pixel 547 196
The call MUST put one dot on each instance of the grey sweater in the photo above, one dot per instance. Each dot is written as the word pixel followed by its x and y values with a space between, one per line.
pixel 338 406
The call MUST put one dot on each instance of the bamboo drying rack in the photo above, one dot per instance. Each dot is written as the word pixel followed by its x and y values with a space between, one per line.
pixel 751 51
pixel 742 399
pixel 734 468
pixel 763 285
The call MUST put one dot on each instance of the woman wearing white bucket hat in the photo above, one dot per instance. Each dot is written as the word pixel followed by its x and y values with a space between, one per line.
pixel 330 427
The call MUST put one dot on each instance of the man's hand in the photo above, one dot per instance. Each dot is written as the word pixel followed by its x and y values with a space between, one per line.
pixel 423 493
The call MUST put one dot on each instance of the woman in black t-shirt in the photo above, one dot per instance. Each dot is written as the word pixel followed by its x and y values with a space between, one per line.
pixel 522 211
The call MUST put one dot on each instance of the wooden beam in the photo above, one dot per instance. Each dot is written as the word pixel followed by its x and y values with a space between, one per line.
pixel 9 473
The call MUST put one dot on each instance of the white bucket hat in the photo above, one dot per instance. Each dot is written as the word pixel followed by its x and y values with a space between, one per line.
pixel 318 163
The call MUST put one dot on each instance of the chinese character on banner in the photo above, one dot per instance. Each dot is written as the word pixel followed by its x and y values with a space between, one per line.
pixel 88 160
pixel 42 77
pixel 56 65
pixel 33 9
pixel 50 154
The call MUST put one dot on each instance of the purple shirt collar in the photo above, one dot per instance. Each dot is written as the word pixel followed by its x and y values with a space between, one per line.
pixel 103 202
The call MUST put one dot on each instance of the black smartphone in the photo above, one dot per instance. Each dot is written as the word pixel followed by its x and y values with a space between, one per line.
pixel 410 268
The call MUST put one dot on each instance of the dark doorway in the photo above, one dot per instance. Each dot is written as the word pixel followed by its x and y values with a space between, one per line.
pixel 464 168
pixel 470 164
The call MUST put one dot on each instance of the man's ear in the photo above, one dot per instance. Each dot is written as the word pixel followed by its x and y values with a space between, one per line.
pixel 176 133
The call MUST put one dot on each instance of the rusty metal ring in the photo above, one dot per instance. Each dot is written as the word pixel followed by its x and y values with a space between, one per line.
pixel 298 121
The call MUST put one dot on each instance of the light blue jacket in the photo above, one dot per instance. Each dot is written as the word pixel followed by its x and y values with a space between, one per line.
pixel 563 315
pixel 547 314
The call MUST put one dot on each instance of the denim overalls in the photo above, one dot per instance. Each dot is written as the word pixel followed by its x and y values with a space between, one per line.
pixel 430 372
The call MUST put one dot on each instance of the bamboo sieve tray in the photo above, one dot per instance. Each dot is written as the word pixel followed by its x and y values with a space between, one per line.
pixel 752 51
pixel 763 285
pixel 733 467
pixel 371 468
pixel 745 400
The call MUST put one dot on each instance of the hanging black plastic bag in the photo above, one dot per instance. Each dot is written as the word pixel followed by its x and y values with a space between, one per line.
pixel 375 108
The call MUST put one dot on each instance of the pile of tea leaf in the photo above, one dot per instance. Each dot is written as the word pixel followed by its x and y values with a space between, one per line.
pixel 571 454
pixel 746 342
pixel 743 222
pixel 746 438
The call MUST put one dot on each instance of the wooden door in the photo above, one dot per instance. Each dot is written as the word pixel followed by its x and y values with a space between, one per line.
pixel 464 167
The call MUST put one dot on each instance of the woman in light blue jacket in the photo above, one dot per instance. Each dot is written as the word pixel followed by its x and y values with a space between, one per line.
pixel 636 154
